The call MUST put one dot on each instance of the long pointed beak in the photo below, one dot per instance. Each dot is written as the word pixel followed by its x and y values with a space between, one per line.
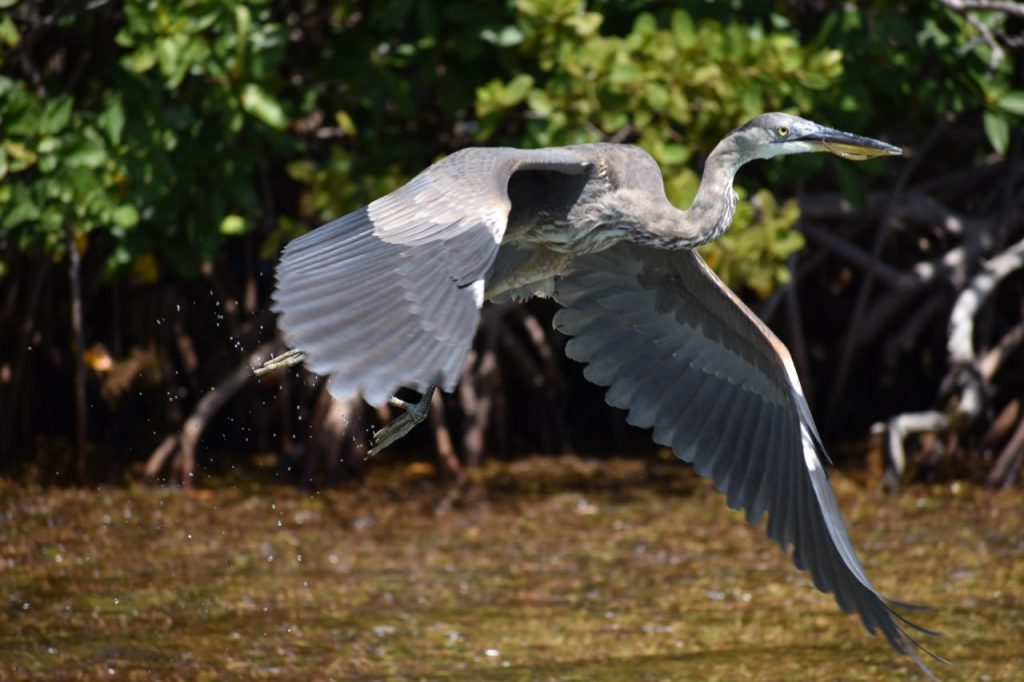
pixel 850 146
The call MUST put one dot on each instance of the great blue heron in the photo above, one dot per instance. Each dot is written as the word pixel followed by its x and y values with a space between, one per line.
pixel 388 297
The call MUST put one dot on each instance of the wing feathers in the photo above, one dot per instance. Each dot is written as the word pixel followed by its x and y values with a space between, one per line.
pixel 681 353
pixel 386 296
pixel 748 461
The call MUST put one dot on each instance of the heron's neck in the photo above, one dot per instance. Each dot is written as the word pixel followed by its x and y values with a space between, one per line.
pixel 712 209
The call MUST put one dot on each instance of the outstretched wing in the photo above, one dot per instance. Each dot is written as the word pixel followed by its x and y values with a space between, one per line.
pixel 388 295
pixel 685 356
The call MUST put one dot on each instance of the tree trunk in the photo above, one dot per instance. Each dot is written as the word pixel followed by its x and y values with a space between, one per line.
pixel 78 341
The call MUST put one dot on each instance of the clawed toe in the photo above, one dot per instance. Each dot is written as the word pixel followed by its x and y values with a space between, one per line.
pixel 394 431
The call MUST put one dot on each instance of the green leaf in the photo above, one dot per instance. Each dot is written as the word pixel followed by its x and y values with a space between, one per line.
pixel 24 210
pixel 345 123
pixel 142 59
pixel 682 29
pixel 517 89
pixel 56 116
pixel 168 53
pixel 1012 102
pixel 21 156
pixel 997 128
pixel 125 215
pixel 260 104
pixel 232 224
pixel 243 19
pixel 301 170
pixel 111 119
pixel 507 36
pixel 673 154
pixel 9 32
pixel 625 73
pixel 87 154
pixel 48 145
pixel 48 163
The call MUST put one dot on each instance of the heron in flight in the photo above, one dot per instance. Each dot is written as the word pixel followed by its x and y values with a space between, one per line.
pixel 388 297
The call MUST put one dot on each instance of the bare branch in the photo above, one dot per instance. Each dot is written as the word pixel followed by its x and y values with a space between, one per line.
pixel 160 455
pixel 851 341
pixel 78 338
pixel 1006 6
pixel 913 207
pixel 962 355
pixel 443 438
pixel 1009 461
pixel 990 362
pixel 897 430
pixel 981 286
pixel 208 406
pixel 854 254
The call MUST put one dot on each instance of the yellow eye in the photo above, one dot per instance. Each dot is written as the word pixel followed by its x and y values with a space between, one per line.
pixel 783 131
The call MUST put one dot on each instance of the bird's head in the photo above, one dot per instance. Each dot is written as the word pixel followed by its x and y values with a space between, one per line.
pixel 775 134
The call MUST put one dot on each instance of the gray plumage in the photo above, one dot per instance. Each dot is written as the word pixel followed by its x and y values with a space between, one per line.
pixel 388 295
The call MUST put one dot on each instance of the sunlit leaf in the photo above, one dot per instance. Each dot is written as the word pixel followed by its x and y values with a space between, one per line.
pixel 125 215
pixel 262 105
pixel 232 225
pixel 1012 102
pixel 141 60
pixel 9 35
pixel 345 123
pixel 506 36
pixel 997 129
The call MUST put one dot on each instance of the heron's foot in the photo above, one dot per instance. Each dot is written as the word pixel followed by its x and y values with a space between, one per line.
pixel 415 413
pixel 286 359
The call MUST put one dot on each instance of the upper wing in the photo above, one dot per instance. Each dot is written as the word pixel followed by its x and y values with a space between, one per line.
pixel 388 295
pixel 685 356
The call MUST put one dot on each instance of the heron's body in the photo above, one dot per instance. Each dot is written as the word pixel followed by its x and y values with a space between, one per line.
pixel 388 296
pixel 555 217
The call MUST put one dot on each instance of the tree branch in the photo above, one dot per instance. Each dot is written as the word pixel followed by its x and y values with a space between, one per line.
pixel 184 444
pixel 1005 6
